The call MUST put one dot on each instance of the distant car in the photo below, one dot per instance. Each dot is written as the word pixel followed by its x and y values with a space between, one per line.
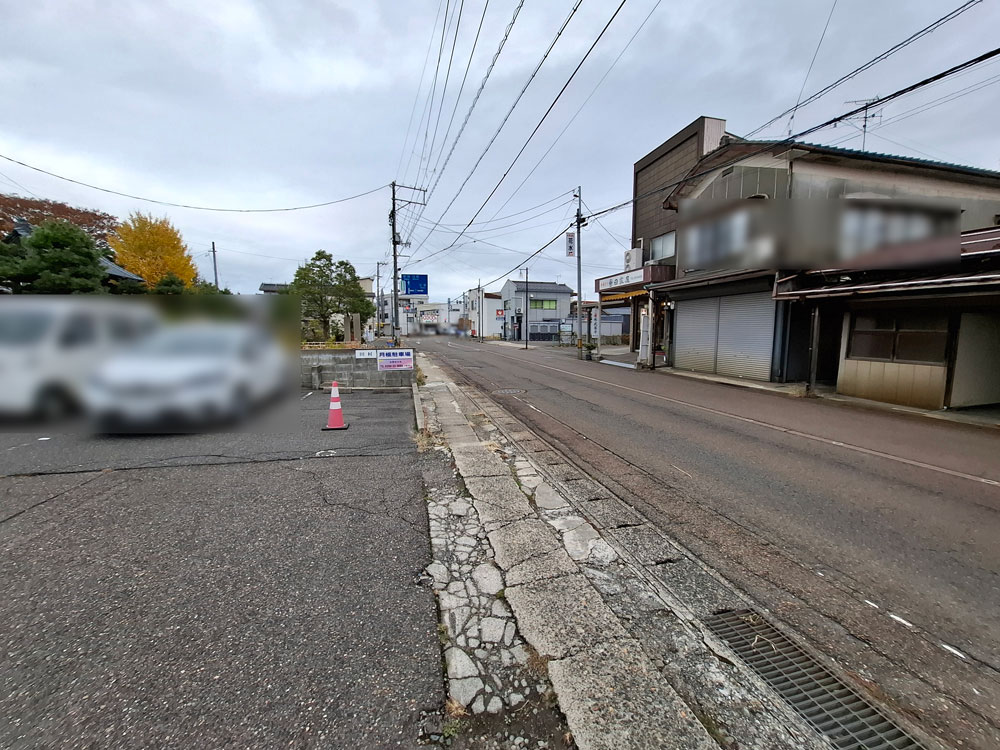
pixel 49 345
pixel 188 376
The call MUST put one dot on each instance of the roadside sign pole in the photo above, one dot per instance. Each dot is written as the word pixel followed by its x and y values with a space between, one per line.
pixel 524 318
pixel 579 274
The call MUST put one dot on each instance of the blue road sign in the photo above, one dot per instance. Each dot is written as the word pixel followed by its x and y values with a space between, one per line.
pixel 414 283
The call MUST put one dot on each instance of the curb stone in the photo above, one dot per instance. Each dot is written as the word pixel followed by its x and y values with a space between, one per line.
pixel 702 694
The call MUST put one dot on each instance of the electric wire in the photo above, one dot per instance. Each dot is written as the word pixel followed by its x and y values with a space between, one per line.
pixel 507 116
pixel 189 206
pixel 812 62
pixel 544 116
pixel 581 108
pixel 874 61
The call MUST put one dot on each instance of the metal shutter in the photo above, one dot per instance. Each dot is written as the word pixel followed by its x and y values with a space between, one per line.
pixel 696 328
pixel 746 335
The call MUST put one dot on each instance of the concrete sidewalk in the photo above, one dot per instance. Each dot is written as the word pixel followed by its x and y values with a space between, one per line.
pixel 603 632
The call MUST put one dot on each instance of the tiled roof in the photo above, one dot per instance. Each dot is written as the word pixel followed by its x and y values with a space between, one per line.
pixel 543 286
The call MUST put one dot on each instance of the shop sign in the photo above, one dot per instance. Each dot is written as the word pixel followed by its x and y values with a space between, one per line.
pixel 622 279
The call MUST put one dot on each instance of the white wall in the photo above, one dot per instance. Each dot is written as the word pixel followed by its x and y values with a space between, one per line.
pixel 976 379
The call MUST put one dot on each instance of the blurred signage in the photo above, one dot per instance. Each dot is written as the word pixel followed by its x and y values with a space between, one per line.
pixel 395 359
pixel 499 313
pixel 414 283
pixel 570 244
pixel 622 279
pixel 365 353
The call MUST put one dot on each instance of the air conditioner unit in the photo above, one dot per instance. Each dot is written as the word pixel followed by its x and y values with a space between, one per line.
pixel 633 258
pixel 518 311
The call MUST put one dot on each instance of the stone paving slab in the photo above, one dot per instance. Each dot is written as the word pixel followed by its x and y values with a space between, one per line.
pixel 562 616
pixel 522 540
pixel 475 462
pixel 615 699
pixel 498 500
pixel 548 565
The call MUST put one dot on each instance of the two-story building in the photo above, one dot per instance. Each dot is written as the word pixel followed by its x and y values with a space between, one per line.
pixel 541 305
pixel 876 274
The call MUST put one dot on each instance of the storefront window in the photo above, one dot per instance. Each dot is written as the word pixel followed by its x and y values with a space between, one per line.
pixel 915 337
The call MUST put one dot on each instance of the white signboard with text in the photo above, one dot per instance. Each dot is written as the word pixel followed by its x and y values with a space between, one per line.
pixel 395 359
pixel 623 279
pixel 365 353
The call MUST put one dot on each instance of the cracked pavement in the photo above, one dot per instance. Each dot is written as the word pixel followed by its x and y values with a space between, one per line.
pixel 221 589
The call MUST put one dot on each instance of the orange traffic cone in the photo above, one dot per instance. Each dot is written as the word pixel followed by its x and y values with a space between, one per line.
pixel 336 418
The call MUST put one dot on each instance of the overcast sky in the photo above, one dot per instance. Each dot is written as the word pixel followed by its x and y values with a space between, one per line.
pixel 269 103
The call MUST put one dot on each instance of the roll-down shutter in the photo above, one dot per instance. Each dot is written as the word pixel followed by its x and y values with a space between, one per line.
pixel 746 335
pixel 696 328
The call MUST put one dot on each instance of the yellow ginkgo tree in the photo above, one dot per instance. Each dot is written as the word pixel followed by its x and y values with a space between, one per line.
pixel 152 248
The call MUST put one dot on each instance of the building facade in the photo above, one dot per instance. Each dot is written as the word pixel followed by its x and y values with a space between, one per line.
pixel 870 273
pixel 541 305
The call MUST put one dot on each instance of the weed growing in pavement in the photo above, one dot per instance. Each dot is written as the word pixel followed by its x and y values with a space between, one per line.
pixel 443 634
pixel 538 664
pixel 452 728
pixel 454 710
pixel 424 441
pixel 421 378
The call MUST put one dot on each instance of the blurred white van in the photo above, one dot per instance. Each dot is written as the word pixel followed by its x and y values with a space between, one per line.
pixel 50 345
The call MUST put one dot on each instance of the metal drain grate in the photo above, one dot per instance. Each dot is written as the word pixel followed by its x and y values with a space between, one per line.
pixel 508 391
pixel 830 706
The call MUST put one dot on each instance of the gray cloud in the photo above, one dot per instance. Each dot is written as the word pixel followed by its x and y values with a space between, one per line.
pixel 251 104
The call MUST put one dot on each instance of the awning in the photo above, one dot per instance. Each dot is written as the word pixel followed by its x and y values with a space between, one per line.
pixel 623 295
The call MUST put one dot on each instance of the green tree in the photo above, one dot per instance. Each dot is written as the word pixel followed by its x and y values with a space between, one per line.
pixel 327 288
pixel 171 283
pixel 201 286
pixel 58 258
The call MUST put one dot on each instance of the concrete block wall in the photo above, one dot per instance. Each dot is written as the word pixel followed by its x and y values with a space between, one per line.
pixel 349 372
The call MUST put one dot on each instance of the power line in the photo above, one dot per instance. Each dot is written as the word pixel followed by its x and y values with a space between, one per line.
pixel 874 61
pixel 445 228
pixel 578 111
pixel 971 89
pixel 433 92
pixel 508 216
pixel 528 257
pixel 444 89
pixel 507 116
pixel 790 140
pixel 812 62
pixel 607 231
pixel 547 112
pixel 461 88
pixel 475 101
pixel 416 96
pixel 185 205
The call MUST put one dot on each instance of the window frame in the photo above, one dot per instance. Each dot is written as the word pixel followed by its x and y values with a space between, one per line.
pixel 895 331
pixel 543 304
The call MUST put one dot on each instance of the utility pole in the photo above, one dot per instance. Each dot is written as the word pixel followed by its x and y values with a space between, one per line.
pixel 479 293
pixel 579 274
pixel 396 242
pixel 524 318
pixel 378 295
pixel 215 265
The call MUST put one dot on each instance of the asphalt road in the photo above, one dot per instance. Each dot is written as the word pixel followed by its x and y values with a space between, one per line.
pixel 874 534
pixel 246 589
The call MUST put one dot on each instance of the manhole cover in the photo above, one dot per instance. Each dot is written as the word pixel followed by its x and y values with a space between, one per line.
pixel 508 391
pixel 829 705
